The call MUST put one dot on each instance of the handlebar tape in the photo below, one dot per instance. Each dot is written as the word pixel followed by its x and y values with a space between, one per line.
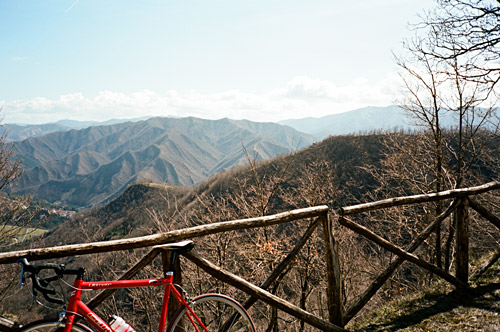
pixel 42 284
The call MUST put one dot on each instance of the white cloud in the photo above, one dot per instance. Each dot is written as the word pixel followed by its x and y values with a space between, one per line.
pixel 301 97
pixel 305 87
pixel 18 58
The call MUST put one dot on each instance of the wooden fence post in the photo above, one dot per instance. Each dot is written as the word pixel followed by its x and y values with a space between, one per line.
pixel 462 241
pixel 334 284
pixel 166 256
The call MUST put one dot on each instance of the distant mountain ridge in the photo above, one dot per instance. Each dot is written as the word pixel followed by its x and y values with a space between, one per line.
pixel 367 119
pixel 75 124
pixel 93 165
pixel 352 122
pixel 16 132
pixel 19 132
pixel 363 120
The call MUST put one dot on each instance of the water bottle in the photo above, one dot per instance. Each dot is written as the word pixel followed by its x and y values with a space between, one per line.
pixel 119 325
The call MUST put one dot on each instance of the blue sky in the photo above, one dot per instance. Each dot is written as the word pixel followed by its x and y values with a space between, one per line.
pixel 259 60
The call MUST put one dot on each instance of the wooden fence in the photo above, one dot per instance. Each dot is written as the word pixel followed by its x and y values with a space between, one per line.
pixel 461 200
pixel 339 312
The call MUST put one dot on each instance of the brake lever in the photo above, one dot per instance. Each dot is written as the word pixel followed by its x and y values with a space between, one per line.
pixel 52 299
pixel 22 281
pixel 46 281
pixel 40 284
pixel 43 289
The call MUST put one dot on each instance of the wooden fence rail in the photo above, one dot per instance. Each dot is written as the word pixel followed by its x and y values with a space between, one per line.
pixel 415 199
pixel 387 273
pixel 339 312
pixel 162 238
pixel 157 240
pixel 459 205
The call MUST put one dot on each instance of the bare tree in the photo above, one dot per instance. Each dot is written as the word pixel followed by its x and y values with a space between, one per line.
pixel 450 72
pixel 13 215
pixel 467 31
pixel 16 214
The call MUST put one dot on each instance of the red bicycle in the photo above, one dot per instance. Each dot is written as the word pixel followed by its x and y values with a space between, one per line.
pixel 208 313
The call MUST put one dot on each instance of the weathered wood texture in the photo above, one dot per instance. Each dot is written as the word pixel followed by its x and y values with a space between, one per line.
pixel 261 294
pixel 335 298
pixel 172 236
pixel 484 267
pixel 484 212
pixel 338 315
pixel 398 201
pixel 355 307
pixel 462 241
pixel 280 269
pixel 400 252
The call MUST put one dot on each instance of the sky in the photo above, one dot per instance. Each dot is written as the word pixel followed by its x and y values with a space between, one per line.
pixel 262 60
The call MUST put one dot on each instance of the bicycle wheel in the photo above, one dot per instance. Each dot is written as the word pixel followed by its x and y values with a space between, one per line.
pixel 217 312
pixel 52 325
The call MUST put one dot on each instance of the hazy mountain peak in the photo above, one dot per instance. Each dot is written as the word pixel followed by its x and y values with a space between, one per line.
pixel 352 122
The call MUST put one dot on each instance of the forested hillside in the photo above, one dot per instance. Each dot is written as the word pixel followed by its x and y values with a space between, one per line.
pixel 339 159
pixel 337 171
pixel 93 165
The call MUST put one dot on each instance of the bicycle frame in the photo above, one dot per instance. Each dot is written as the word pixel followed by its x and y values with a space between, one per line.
pixel 77 307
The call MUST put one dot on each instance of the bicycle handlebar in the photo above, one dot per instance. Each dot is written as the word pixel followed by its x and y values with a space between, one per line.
pixel 42 284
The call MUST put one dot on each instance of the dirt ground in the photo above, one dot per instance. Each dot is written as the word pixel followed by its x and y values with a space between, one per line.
pixel 443 309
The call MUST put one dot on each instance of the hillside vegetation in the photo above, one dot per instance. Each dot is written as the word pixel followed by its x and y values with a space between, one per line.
pixel 335 172
pixel 349 153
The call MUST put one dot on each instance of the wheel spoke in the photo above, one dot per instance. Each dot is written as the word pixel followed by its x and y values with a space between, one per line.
pixel 217 312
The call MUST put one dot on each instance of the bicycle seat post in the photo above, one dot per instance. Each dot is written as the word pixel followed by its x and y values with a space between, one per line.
pixel 173 257
pixel 171 263
pixel 169 258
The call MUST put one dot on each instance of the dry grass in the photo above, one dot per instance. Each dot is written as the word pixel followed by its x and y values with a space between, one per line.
pixel 441 308
pixel 21 234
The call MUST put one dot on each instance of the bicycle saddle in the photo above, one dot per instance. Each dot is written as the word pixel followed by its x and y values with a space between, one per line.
pixel 179 247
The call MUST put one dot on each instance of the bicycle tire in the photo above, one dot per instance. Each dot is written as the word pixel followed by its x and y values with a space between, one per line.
pixel 217 312
pixel 52 325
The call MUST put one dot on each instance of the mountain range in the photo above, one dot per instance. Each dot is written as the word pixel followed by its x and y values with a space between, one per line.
pixel 371 119
pixel 19 132
pixel 93 165
pixel 337 164
pixel 86 163
pixel 353 122
pixel 360 120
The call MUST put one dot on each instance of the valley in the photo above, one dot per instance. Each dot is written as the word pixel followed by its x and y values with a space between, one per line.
pixel 85 167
